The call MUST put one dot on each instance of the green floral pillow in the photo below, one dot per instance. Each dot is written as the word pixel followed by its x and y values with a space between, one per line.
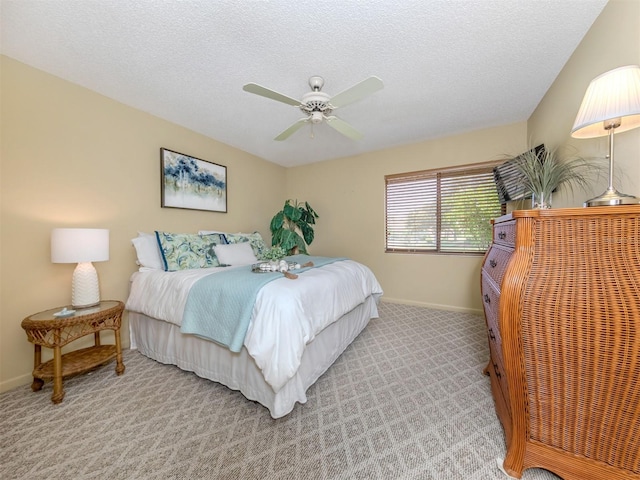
pixel 183 251
pixel 254 239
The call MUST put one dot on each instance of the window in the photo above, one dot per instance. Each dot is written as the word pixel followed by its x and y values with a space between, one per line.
pixel 441 211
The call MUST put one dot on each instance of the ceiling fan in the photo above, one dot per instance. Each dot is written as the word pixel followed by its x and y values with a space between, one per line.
pixel 319 106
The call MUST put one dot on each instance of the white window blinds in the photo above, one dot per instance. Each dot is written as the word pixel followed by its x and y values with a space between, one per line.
pixel 441 211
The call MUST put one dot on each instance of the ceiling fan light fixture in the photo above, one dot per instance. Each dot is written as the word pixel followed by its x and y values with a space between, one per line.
pixel 317 117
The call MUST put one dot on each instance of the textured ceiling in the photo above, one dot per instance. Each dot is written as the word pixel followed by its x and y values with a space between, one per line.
pixel 448 66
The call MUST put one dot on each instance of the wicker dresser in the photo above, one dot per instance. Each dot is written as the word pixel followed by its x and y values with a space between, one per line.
pixel 561 292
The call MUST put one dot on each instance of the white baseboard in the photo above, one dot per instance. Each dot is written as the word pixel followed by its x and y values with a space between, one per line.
pixel 435 306
pixel 15 382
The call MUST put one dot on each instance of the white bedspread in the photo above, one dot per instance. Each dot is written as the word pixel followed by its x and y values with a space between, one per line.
pixel 287 314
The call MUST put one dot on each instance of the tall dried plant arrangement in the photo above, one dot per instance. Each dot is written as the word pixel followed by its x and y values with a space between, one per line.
pixel 544 171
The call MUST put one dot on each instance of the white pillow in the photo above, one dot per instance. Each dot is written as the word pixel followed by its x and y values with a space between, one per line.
pixel 235 254
pixel 148 251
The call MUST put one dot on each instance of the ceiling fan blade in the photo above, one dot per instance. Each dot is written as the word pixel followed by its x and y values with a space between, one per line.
pixel 292 129
pixel 344 128
pixel 273 95
pixel 358 91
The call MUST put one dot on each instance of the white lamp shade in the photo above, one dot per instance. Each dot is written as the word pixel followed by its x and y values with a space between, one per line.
pixel 81 246
pixel 77 245
pixel 614 94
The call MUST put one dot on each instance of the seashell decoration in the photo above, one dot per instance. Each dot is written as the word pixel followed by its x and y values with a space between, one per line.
pixel 274 266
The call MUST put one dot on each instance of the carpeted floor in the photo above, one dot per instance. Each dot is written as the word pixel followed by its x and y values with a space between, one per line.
pixel 407 400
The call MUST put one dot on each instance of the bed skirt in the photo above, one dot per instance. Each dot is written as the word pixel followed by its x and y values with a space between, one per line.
pixel 165 343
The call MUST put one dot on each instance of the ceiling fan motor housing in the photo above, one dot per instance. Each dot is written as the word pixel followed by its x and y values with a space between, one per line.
pixel 316 102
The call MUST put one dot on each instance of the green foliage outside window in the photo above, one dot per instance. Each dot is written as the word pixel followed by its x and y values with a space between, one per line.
pixel 443 211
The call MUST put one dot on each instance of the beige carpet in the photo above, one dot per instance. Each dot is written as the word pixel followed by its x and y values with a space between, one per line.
pixel 407 400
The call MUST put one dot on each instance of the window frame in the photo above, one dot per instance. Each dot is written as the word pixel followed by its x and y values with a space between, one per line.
pixel 437 174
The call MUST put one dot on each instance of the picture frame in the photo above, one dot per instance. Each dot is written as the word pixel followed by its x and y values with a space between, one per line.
pixel 509 181
pixel 192 183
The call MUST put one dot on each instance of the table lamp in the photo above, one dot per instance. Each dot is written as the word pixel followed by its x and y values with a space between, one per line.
pixel 610 105
pixel 81 246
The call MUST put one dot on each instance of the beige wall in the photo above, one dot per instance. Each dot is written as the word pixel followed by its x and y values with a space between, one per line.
pixel 348 194
pixel 73 158
pixel 612 41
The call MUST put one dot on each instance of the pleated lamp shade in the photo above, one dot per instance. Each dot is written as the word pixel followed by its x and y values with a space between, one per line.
pixel 614 94
pixel 611 105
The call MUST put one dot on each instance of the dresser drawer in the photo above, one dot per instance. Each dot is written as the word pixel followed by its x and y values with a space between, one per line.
pixel 505 233
pixel 493 332
pixel 496 262
pixel 502 409
pixel 496 370
pixel 490 296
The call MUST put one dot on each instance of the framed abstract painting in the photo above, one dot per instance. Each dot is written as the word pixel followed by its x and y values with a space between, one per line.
pixel 192 183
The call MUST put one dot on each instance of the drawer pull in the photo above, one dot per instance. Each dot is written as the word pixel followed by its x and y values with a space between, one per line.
pixel 495 369
pixel 491 335
pixel 487 299
pixel 502 235
pixel 493 263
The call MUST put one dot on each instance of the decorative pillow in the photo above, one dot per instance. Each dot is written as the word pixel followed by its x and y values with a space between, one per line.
pixel 183 251
pixel 254 239
pixel 235 254
pixel 147 251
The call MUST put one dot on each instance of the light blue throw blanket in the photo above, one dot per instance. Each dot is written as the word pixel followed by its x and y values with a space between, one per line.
pixel 219 306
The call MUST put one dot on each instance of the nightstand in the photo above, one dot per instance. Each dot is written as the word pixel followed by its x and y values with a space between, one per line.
pixel 45 329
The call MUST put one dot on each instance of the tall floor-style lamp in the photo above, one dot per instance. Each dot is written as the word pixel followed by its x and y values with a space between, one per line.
pixel 81 246
pixel 610 105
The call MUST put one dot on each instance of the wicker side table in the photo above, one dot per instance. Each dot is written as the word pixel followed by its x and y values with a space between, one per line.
pixel 44 329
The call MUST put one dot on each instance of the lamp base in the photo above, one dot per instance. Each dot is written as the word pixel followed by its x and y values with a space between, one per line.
pixel 85 290
pixel 612 197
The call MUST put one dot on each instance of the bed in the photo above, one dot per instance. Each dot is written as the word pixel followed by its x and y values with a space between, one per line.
pixel 297 327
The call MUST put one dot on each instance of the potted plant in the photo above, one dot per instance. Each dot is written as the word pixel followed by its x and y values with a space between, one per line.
pixel 292 227
pixel 542 171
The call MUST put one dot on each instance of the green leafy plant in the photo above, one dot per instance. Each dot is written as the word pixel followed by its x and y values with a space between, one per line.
pixel 273 253
pixel 292 227
pixel 542 172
